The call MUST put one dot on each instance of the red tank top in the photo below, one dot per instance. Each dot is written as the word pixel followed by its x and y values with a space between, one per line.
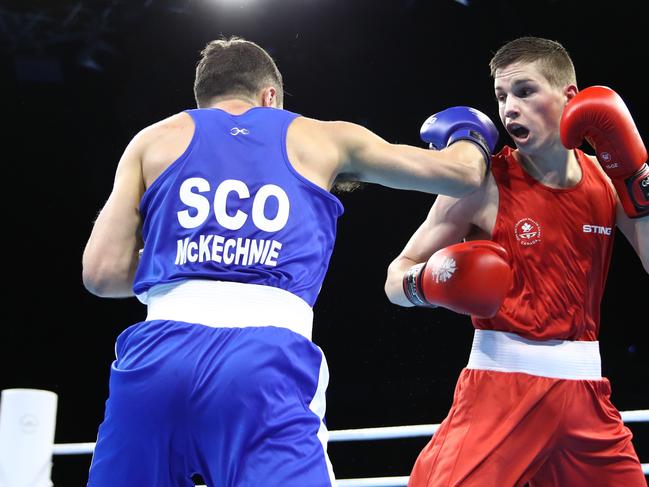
pixel 560 243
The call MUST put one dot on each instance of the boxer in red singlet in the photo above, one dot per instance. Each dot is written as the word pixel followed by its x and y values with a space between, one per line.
pixel 531 406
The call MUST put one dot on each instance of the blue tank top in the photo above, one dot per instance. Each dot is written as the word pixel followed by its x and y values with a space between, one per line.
pixel 233 208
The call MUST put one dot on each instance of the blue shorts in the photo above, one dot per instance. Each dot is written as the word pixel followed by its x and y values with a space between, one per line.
pixel 238 406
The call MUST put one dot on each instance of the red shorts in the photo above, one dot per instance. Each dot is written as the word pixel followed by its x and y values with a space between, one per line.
pixel 507 428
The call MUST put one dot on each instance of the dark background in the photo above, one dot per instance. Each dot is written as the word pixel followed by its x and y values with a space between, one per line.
pixel 79 79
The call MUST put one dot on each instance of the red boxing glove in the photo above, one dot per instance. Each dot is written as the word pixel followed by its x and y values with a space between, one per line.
pixel 599 115
pixel 470 278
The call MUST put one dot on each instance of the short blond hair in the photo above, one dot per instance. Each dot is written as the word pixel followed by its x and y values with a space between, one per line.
pixel 553 59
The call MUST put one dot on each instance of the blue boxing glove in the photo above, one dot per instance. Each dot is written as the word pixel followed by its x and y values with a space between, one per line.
pixel 460 123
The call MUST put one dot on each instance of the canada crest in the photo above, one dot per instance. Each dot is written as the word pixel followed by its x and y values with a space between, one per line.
pixel 527 231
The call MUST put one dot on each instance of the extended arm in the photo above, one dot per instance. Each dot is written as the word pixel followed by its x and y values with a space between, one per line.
pixel 465 136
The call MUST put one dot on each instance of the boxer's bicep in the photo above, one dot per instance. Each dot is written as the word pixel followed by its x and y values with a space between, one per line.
pixel 448 222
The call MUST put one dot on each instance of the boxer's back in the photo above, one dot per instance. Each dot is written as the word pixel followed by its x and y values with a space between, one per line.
pixel 232 207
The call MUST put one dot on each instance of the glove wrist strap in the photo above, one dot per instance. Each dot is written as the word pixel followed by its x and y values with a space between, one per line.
pixel 634 192
pixel 477 138
pixel 412 285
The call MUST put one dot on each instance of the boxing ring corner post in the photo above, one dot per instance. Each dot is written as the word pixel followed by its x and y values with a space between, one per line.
pixel 28 422
pixel 27 425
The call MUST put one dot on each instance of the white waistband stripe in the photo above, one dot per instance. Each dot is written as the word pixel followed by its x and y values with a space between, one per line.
pixel 509 352
pixel 222 304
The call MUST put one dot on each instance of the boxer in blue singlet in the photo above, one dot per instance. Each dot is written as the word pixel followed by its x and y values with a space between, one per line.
pixel 231 208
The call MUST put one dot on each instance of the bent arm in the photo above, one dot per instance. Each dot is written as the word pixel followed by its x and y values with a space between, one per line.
pixel 636 231
pixel 447 223
pixel 457 170
pixel 111 254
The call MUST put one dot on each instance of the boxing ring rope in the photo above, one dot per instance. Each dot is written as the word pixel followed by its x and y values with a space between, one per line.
pixel 27 423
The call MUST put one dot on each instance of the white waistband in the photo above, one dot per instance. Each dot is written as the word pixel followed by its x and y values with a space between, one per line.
pixel 509 352
pixel 222 304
